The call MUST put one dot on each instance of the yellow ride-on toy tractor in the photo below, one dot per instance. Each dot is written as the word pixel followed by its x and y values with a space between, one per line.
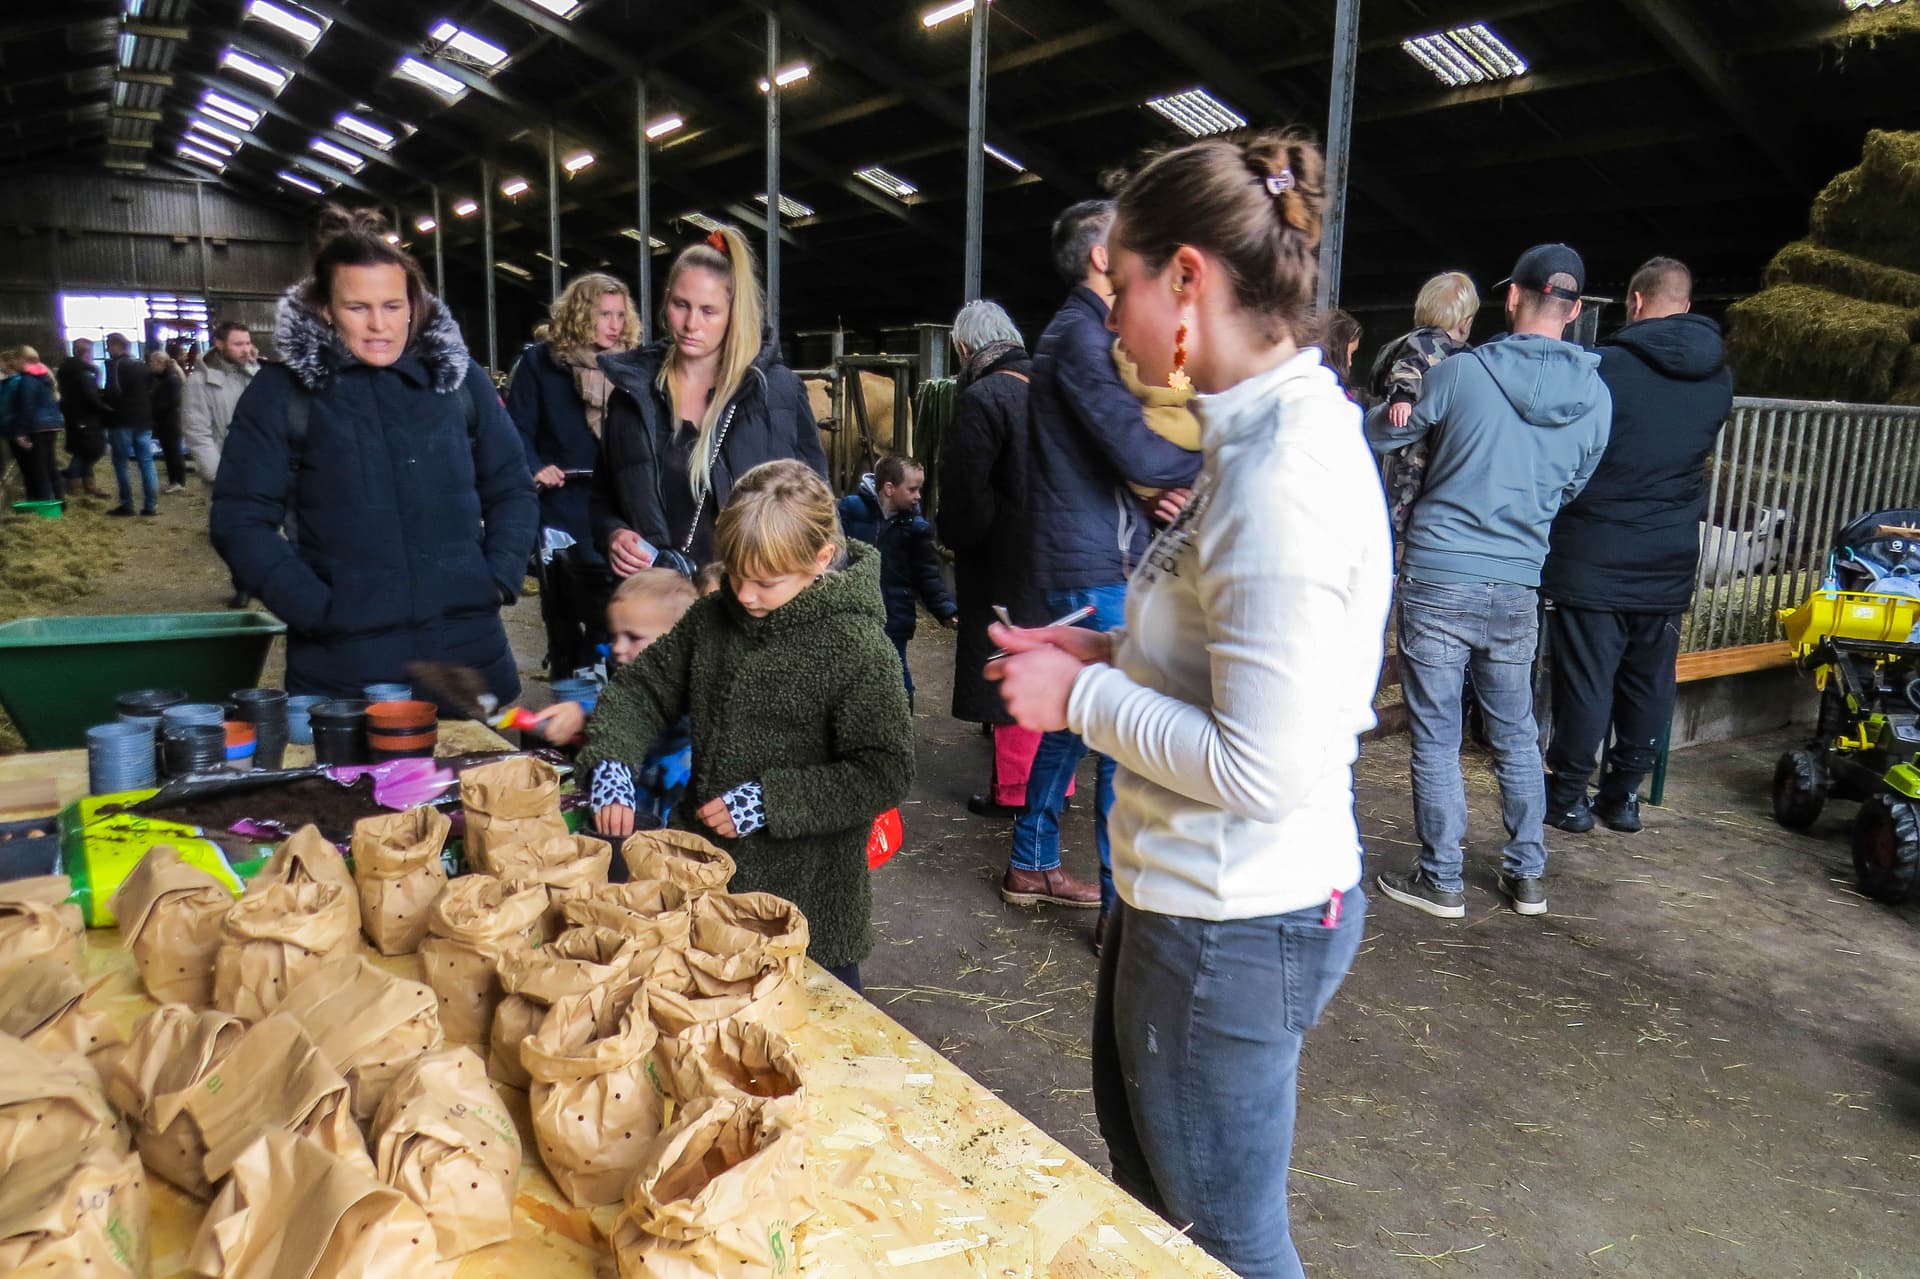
pixel 1856 636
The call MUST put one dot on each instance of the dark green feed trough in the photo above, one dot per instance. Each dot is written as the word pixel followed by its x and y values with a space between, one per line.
pixel 59 675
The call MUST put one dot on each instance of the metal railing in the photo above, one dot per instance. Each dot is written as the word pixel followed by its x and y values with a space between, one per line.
pixel 1784 477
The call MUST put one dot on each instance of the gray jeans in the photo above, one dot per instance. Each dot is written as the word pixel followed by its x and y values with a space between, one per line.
pixel 1494 626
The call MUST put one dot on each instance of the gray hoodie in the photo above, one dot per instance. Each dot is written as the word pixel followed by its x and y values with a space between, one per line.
pixel 1517 427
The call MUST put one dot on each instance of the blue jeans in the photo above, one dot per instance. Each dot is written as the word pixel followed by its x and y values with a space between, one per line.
pixel 1494 627
pixel 906 671
pixel 1036 832
pixel 135 444
pixel 1197 1028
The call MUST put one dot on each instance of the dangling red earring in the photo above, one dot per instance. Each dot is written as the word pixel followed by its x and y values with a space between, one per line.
pixel 1177 379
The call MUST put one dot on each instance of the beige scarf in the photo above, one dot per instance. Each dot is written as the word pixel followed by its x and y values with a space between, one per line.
pixel 590 382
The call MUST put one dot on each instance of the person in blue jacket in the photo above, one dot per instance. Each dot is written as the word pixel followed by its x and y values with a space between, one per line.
pixel 557 397
pixel 415 512
pixel 34 417
pixel 886 513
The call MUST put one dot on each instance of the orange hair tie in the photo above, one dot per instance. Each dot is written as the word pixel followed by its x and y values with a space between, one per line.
pixel 717 241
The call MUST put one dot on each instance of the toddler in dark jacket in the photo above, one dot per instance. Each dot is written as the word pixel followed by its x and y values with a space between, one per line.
pixel 886 513
pixel 1444 316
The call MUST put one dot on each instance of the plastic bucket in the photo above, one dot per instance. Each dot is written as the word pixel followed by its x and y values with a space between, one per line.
pixel 51 509
pixel 119 758
pixel 186 749
pixel 266 710
pixel 299 727
pixel 402 730
pixel 388 692
pixel 339 731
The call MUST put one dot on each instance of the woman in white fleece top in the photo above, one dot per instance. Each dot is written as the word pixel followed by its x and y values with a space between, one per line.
pixel 1233 699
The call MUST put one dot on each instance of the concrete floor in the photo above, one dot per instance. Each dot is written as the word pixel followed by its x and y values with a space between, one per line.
pixel 1703 1062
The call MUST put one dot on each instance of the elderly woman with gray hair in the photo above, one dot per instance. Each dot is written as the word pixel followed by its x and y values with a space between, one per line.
pixel 981 516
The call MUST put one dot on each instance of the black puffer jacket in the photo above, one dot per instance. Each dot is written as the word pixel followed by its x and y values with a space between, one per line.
pixel 413 527
pixel 910 566
pixel 983 483
pixel 769 419
pixel 1630 542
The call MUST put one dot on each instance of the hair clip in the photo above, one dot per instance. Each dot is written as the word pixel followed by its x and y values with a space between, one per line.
pixel 1279 183
pixel 717 242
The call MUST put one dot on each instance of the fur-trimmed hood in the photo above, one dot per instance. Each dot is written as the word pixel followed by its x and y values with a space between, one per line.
pixel 312 351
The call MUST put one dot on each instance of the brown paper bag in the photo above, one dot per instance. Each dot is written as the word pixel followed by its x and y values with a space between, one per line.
pixel 475 921
pixel 396 860
pixel 512 801
pixel 568 866
pixel 653 912
pixel 40 1004
pixel 171 1052
pixel 53 1102
pixel 75 1213
pixel 734 1058
pixel 572 964
pixel 308 857
pixel 170 915
pixel 368 1024
pixel 274 936
pixel 596 1099
pixel 37 919
pixel 679 856
pixel 292 1209
pixel 707 988
pixel 445 1138
pixel 718 1193
pixel 749 929
pixel 275 1077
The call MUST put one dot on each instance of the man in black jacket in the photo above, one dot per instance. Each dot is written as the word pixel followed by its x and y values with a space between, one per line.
pixel 78 379
pixel 129 399
pixel 1087 442
pixel 1620 570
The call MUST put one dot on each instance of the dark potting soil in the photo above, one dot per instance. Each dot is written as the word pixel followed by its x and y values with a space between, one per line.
pixel 308 801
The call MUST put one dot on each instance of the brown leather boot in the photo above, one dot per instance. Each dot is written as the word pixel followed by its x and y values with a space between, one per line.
pixel 1049 888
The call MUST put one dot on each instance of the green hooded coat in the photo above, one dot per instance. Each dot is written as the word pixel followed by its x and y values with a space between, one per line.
pixel 808 702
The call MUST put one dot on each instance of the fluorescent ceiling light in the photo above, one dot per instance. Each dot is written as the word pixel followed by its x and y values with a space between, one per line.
pixel 214 135
pixel 254 69
pixel 227 117
pixel 213 162
pixel 1466 55
pixel 391 238
pixel 230 106
pixel 468 45
pixel 662 127
pixel 1197 112
pixel 515 186
pixel 633 233
pixel 424 224
pixel 700 220
pixel 346 159
pixel 365 130
pixel 465 208
pixel 510 268
pixel 790 207
pixel 430 77
pixel 577 161
pixel 545 258
pixel 892 183
pixel 295 180
pixel 934 17
pixel 304 27
pixel 1004 158
pixel 792 75
pixel 560 8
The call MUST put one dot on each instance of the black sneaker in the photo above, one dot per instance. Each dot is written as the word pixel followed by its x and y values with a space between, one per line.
pixel 1529 895
pixel 119 511
pixel 1575 819
pixel 239 599
pixel 1622 815
pixel 1413 888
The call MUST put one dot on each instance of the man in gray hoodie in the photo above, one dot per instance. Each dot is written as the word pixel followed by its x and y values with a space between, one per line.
pixel 1514 429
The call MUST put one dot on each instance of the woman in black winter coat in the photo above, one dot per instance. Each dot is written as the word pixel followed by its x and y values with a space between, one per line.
pixel 981 518
pixel 415 512
pixel 691 414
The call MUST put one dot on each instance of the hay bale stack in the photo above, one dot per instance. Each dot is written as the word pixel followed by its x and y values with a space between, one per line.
pixel 1840 316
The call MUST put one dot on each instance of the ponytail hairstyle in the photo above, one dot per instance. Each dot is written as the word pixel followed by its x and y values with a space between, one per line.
pixel 1252 202
pixel 358 237
pixel 727 255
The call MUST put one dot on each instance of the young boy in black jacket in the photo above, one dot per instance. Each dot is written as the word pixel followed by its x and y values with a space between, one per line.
pixel 886 513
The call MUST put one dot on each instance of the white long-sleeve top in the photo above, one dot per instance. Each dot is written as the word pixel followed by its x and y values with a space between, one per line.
pixel 1246 670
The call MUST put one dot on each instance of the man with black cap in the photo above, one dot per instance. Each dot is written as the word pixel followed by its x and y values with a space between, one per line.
pixel 1514 429
pixel 1620 571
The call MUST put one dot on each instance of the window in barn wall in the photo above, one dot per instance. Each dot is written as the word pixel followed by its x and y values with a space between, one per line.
pixel 143 318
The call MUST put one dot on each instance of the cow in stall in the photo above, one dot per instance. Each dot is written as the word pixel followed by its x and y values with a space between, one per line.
pixel 1753 545
pixel 877 390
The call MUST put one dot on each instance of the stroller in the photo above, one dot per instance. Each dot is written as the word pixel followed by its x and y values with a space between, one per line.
pixel 1856 635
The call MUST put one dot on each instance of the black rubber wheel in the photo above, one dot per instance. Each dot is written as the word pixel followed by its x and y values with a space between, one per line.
pixel 1799 789
pixel 1835 718
pixel 1886 849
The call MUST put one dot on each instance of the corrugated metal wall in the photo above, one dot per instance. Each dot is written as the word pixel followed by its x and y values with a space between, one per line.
pixel 94 231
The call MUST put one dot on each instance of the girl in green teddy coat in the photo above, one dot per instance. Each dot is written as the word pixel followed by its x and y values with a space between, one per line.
pixel 801 733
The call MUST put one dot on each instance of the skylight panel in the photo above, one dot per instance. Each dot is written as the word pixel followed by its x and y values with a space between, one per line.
pixel 560 8
pixel 633 233
pixel 545 257
pixel 1466 55
pixel 461 44
pixel 229 110
pixel 790 207
pixel 700 220
pixel 792 75
pixel 577 161
pixel 198 156
pixel 295 180
pixel 274 78
pixel 430 77
pixel 1197 112
pixel 346 159
pixel 514 269
pixel 465 208
pixel 891 183
pixel 1004 158
pixel 662 127
pixel 365 130
pixel 290 20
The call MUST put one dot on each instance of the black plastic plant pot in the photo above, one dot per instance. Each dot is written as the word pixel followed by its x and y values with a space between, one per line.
pixel 147 703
